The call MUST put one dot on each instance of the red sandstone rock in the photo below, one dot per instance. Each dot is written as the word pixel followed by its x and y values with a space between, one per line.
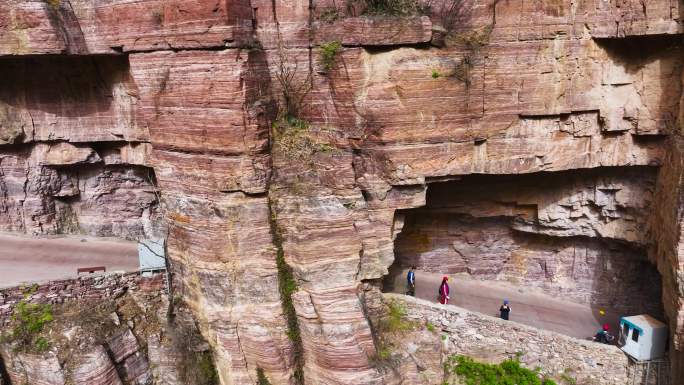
pixel 37 27
pixel 519 88
pixel 61 154
pixel 96 368
pixel 122 346
pixel 368 31
pixel 34 369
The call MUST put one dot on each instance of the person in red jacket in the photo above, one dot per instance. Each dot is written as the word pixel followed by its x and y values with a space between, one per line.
pixel 444 291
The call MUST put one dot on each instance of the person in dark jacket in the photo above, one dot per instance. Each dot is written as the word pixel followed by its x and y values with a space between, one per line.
pixel 604 336
pixel 505 310
pixel 444 291
pixel 411 282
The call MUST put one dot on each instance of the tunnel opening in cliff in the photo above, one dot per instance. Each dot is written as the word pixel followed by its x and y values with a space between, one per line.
pixel 74 160
pixel 576 235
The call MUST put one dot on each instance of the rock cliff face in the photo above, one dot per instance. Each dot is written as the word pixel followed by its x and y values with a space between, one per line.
pixel 74 160
pixel 107 105
pixel 105 330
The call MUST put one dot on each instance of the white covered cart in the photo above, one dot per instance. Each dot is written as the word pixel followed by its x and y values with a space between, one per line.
pixel 643 337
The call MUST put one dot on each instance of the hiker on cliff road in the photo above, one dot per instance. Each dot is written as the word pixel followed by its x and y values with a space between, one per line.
pixel 505 310
pixel 603 336
pixel 411 282
pixel 444 291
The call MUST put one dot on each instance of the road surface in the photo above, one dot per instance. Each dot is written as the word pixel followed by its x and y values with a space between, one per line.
pixel 27 260
pixel 527 307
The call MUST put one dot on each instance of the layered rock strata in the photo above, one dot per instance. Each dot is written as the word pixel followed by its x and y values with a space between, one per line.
pixel 134 342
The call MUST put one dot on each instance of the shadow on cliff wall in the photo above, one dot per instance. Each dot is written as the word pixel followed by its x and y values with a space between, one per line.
pixel 260 104
pixel 66 86
pixel 4 377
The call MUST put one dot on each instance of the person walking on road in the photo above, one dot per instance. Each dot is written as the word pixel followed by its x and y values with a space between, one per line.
pixel 505 310
pixel 444 291
pixel 411 282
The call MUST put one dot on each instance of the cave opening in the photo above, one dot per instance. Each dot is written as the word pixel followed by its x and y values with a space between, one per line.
pixel 75 160
pixel 568 249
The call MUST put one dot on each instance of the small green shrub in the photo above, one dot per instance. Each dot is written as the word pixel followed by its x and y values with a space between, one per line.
pixel 395 321
pixel 469 372
pixel 384 353
pixel 207 374
pixel 567 379
pixel 194 367
pixel 261 377
pixel 41 344
pixel 436 74
pixel 473 41
pixel 28 321
pixel 287 286
pixel 329 52
pixel 430 327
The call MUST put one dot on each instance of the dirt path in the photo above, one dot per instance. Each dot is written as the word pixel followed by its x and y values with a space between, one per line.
pixel 527 307
pixel 27 260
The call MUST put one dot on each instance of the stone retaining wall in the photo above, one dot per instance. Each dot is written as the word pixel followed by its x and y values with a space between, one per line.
pixel 98 286
pixel 491 339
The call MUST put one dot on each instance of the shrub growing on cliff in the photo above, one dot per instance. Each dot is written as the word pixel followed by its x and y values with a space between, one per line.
pixel 295 83
pixel 294 140
pixel 287 286
pixel 194 365
pixel 391 7
pixel 329 52
pixel 464 370
pixel 28 321
pixel 395 320
pixel 449 14
pixel 567 379
pixel 261 377
pixel 473 40
pixel 430 327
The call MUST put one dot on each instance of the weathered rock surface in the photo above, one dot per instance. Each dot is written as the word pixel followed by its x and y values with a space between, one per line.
pixel 97 95
pixel 66 189
pixel 133 342
pixel 81 27
pixel 489 339
pixel 368 32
